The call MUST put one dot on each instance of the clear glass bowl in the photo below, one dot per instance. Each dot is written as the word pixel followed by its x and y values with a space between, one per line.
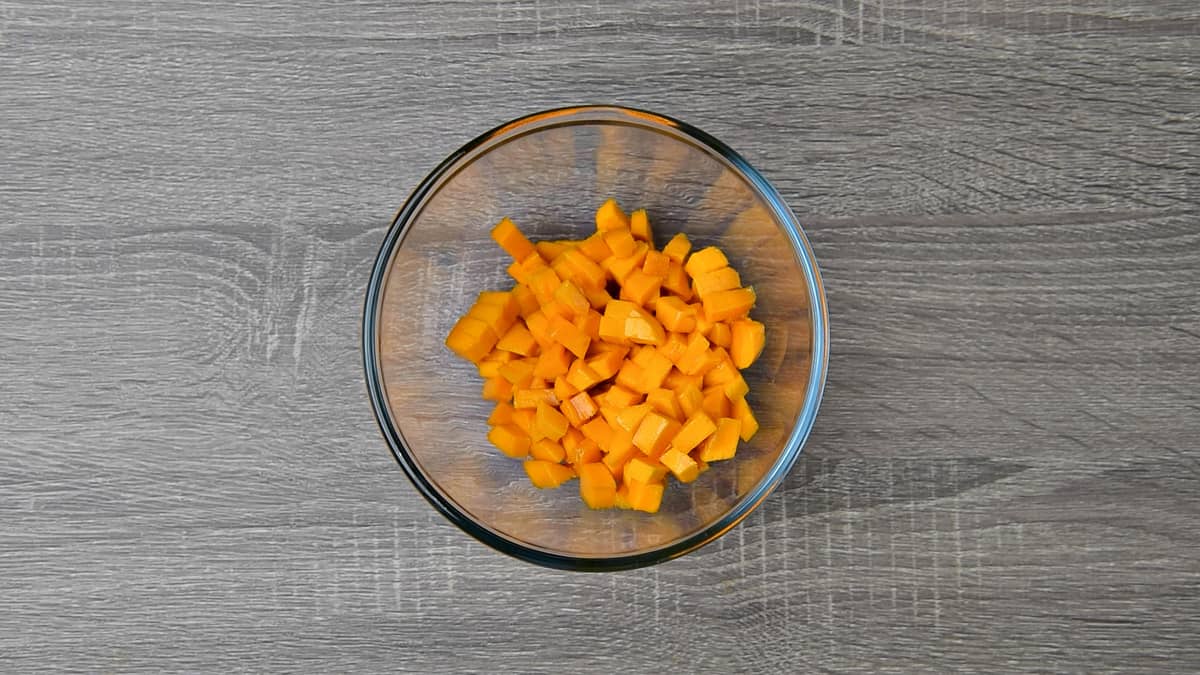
pixel 548 172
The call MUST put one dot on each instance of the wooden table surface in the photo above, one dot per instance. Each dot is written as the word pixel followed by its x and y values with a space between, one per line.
pixel 1004 196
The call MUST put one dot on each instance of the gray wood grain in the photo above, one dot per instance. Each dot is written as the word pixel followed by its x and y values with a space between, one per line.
pixel 1003 195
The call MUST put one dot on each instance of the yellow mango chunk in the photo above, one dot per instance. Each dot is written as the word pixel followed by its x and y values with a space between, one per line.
pixel 471 339
pixel 643 469
pixel 645 496
pixel 705 260
pixel 697 428
pixel 741 410
pixel 510 238
pixel 723 443
pixel 510 439
pixel 639 226
pixel 597 486
pixel 545 474
pixel 731 304
pixel 680 464
pixel 610 216
pixel 748 339
pixel 678 248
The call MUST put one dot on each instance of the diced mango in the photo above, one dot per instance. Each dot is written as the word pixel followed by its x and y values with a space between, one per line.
pixel 748 339
pixel 620 242
pixel 510 439
pixel 720 279
pixel 617 391
pixel 530 398
pixel 727 305
pixel 497 389
pixel 644 469
pixel 518 340
pixel 677 282
pixel 639 225
pixel 640 288
pixel 548 450
pixel 678 248
pixel 629 418
pixel 723 443
pixel 654 434
pixel 610 216
pixel 690 400
pixel 595 247
pixel 471 339
pixel 646 496
pixel 680 464
pixel 597 430
pixel 675 315
pixel 664 402
pixel 721 335
pixel 656 264
pixel 549 422
pixel 554 361
pixel 501 414
pixel 526 301
pixel 741 410
pixel 698 427
pixel 597 486
pixel 705 260
pixel 510 238
pixel 546 474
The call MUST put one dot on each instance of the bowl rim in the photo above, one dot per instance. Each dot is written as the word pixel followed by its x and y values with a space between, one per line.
pixel 750 501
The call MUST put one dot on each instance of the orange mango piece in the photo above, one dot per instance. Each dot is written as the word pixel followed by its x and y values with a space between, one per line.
pixel 691 400
pixel 664 402
pixel 654 434
pixel 471 339
pixel 640 288
pixel 597 486
pixel 510 238
pixel 749 424
pixel 720 279
pixel 610 216
pixel 530 398
pixel 681 465
pixel 595 247
pixel 705 260
pixel 548 422
pixel 646 496
pixel 723 443
pixel 568 335
pixel 545 474
pixel 548 450
pixel 554 361
pixel 747 341
pixel 598 430
pixel 639 226
pixel 501 414
pixel 620 242
pixel 698 427
pixel 497 389
pixel 730 304
pixel 511 440
pixel 678 248
pixel 643 469
pixel 677 281
pixel 721 334
pixel 518 340
pixel 675 315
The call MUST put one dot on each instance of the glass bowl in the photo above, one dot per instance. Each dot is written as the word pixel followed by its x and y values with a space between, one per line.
pixel 549 172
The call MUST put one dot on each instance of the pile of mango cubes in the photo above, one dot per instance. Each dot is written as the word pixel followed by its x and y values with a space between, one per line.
pixel 612 361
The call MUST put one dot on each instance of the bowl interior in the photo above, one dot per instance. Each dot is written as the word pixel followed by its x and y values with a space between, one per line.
pixel 549 178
